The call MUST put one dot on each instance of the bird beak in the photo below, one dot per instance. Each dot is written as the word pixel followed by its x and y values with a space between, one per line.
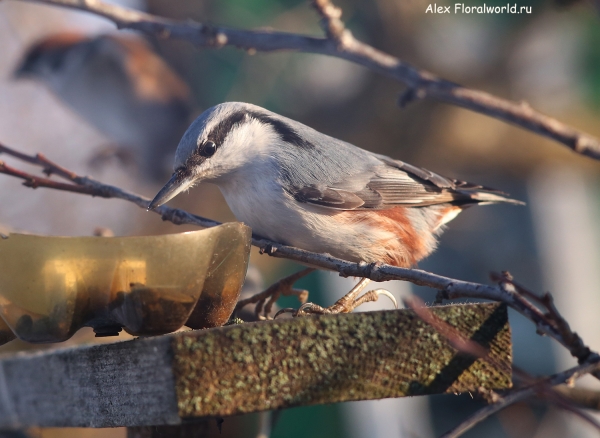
pixel 177 184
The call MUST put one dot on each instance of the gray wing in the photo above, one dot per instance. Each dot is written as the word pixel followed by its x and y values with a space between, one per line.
pixel 393 184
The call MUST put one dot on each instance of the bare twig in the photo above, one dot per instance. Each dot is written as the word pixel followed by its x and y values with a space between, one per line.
pixel 467 346
pixel 454 337
pixel 582 397
pixel 577 348
pixel 91 187
pixel 48 166
pixel 522 394
pixel 449 288
pixel 331 22
pixel 35 182
pixel 341 44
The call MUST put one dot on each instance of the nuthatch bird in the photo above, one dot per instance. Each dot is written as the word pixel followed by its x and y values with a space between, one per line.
pixel 118 85
pixel 299 187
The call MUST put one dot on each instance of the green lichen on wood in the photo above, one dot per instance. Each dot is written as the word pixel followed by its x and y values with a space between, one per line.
pixel 333 358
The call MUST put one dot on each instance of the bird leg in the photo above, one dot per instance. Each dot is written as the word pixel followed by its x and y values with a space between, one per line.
pixel 272 293
pixel 346 304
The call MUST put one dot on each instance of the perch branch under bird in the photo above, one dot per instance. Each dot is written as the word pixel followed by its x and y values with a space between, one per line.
pixel 538 309
pixel 340 43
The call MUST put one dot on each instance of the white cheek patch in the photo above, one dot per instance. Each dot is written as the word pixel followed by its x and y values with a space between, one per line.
pixel 247 142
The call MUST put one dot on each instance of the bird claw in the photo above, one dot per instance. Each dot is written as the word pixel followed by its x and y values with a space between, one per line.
pixel 286 310
pixel 265 300
pixel 308 308
pixel 346 304
pixel 305 306
pixel 388 294
pixel 304 309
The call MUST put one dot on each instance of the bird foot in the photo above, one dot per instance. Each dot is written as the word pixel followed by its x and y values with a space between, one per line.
pixel 265 300
pixel 346 304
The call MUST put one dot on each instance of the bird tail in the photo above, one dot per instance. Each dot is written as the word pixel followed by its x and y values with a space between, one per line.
pixel 484 197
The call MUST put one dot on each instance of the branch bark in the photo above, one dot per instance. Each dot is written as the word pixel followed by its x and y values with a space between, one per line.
pixel 549 323
pixel 342 44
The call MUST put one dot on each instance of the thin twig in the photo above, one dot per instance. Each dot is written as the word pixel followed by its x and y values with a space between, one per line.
pixel 341 44
pixel 453 336
pixel 477 351
pixel 48 166
pixel 522 394
pixel 449 288
pixel 582 397
pixel 35 182
pixel 577 347
pixel 331 22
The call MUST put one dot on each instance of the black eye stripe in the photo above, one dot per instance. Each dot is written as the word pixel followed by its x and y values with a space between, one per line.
pixel 220 131
pixel 283 129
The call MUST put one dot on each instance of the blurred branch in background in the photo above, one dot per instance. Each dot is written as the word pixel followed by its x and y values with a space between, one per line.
pixel 530 386
pixel 539 388
pixel 341 43
pixel 583 397
pixel 538 309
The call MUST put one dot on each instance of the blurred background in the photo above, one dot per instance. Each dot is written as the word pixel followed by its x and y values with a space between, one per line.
pixel 549 58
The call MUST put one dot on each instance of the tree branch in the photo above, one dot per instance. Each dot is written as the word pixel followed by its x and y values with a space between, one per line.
pixel 341 44
pixel 522 394
pixel 468 346
pixel 549 323
pixel 582 397
pixel 34 182
pixel 331 22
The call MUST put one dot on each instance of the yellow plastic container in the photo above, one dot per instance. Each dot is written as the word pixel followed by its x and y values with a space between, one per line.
pixel 50 287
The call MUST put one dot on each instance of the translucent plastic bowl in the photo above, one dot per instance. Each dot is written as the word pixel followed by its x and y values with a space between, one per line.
pixel 50 287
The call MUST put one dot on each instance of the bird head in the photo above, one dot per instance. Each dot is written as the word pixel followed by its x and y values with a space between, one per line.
pixel 224 140
pixel 51 59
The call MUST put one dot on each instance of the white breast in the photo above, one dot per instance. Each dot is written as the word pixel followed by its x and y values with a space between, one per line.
pixel 254 193
pixel 261 203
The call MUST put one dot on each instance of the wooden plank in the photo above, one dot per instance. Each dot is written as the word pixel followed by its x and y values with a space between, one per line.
pixel 253 367
pixel 126 383
pixel 336 358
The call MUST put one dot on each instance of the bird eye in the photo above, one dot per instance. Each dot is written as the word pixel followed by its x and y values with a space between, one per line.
pixel 208 149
